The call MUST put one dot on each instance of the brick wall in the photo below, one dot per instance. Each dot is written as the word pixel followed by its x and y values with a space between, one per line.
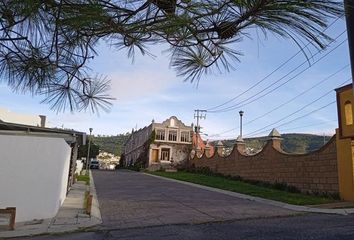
pixel 312 172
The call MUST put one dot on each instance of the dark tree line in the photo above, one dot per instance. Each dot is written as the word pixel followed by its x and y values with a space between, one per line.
pixel 94 150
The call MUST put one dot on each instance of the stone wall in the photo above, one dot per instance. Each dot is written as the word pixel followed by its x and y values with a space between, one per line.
pixel 312 172
pixel 178 152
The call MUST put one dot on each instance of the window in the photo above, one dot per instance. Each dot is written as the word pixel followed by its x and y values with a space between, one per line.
pixel 172 135
pixel 348 111
pixel 160 134
pixel 184 136
pixel 165 154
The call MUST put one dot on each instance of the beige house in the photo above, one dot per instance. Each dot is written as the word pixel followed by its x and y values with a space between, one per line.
pixel 159 144
pixel 20 118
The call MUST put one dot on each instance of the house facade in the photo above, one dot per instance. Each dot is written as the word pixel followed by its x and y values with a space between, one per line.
pixel 159 144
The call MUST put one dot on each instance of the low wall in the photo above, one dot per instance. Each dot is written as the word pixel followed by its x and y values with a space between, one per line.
pixel 33 175
pixel 312 172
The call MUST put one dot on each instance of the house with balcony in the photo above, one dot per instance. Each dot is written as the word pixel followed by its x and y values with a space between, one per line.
pixel 159 144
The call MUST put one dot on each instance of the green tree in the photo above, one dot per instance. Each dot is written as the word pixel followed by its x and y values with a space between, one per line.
pixel 45 45
pixel 94 150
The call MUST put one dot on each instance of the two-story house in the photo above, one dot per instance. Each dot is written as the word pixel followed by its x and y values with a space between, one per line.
pixel 159 144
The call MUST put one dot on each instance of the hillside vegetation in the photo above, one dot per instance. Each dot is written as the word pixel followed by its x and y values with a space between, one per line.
pixel 291 143
pixel 111 144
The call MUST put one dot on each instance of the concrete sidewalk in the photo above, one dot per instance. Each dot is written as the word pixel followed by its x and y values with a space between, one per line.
pixel 70 217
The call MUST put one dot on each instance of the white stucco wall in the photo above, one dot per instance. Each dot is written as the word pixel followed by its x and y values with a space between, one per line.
pixel 33 175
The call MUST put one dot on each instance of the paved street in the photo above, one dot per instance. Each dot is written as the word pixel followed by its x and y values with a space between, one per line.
pixel 129 199
pixel 135 206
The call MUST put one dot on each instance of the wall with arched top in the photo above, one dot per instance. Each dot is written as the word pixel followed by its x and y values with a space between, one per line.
pixel 312 172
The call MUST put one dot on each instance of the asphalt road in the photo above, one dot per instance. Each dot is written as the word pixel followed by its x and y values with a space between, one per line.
pixel 140 207
pixel 305 227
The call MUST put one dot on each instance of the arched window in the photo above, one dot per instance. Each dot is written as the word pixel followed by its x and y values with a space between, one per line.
pixel 348 111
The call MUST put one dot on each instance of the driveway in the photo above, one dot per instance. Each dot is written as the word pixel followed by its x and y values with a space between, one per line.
pixel 131 199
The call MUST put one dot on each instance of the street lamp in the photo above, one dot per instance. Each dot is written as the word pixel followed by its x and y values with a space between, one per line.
pixel 88 150
pixel 241 114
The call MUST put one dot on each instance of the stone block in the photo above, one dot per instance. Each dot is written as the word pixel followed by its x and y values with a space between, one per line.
pixel 7 218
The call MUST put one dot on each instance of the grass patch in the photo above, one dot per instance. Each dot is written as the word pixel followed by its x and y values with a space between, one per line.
pixel 85 178
pixel 247 188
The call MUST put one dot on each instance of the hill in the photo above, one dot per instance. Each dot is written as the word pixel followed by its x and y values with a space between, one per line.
pixel 292 142
pixel 111 144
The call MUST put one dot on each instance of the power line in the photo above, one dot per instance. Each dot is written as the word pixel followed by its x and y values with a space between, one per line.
pixel 310 125
pixel 295 119
pixel 256 84
pixel 300 109
pixel 299 95
pixel 285 103
pixel 226 131
pixel 275 70
pixel 230 108
pixel 287 129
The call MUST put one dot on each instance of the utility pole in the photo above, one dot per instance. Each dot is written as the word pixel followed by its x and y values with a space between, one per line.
pixel 88 151
pixel 198 114
pixel 349 15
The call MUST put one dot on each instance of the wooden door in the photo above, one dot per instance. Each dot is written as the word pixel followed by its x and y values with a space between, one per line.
pixel 154 155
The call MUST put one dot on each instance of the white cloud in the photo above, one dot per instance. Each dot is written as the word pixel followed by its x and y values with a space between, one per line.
pixel 134 85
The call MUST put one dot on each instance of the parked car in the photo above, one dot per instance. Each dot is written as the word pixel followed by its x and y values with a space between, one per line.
pixel 94 164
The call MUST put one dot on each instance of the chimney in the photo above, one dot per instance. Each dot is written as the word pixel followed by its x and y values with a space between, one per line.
pixel 43 120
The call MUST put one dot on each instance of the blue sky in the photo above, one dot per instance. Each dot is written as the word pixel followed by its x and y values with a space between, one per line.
pixel 149 89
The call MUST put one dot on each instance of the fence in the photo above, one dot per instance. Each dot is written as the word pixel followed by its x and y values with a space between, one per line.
pixel 315 172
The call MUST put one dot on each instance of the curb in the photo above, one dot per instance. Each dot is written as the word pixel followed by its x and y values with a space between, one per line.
pixel 297 208
pixel 95 210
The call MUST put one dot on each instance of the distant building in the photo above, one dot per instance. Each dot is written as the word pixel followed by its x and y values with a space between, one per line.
pixel 159 144
pixel 200 145
pixel 19 118
pixel 107 159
